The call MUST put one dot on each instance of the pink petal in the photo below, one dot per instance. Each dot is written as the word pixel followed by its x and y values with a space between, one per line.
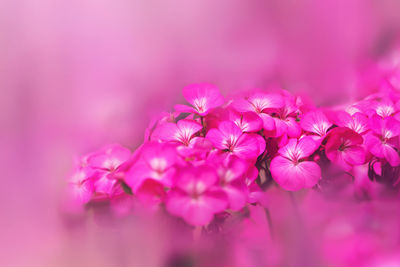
pixel 165 132
pixel 215 199
pixel 392 125
pixel 184 109
pixel 229 129
pixel 153 151
pixel 81 192
pixel 104 185
pixel 176 201
pixel 295 177
pixel 262 101
pixel 307 146
pixel 187 128
pixel 196 179
pixel 391 155
pixel 268 122
pixel 197 213
pixel 360 123
pixel 289 149
pixel 242 105
pixel 109 158
pixel 315 122
pixel 203 97
pixel 247 122
pixel 354 155
pixel 280 127
pixel 247 146
pixel 216 138
pixel 151 192
pixel 374 145
pixel 237 196
pixel 293 128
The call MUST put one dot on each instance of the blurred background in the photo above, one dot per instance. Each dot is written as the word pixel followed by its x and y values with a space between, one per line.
pixel 78 74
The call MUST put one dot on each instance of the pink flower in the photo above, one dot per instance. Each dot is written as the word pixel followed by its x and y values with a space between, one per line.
pixel 229 138
pixel 202 97
pixel 262 104
pixel 106 163
pixel 383 140
pixel 247 121
pixel 285 119
pixel 109 158
pixel 291 170
pixel 80 185
pixel 317 123
pixel 357 122
pixel 196 198
pixel 384 108
pixel 156 162
pixel 344 148
pixel 231 172
pixel 182 132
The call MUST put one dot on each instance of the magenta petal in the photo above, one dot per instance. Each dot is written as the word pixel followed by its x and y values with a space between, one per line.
pixel 391 155
pixel 392 125
pixel 184 109
pixel 374 145
pixel 295 177
pixel 354 155
pixel 293 128
pixel 315 122
pixel 262 101
pixel 216 138
pixel 176 201
pixel 242 105
pixel 247 147
pixel 268 122
pixel 165 132
pixel 197 212
pixel 203 97
pixel 280 127
pixel 230 129
pixel 81 192
pixel 110 157
pixel 215 199
pixel 237 196
pixel 307 146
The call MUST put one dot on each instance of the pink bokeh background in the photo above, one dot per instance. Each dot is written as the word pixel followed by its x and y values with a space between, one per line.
pixel 79 74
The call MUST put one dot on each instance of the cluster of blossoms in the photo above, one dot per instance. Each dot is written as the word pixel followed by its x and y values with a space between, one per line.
pixel 218 156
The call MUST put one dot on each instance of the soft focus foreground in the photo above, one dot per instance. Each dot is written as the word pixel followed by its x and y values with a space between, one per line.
pixel 78 75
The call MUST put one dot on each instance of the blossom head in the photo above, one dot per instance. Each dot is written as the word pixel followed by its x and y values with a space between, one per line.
pixel 291 169
pixel 202 97
pixel 344 148
pixel 196 197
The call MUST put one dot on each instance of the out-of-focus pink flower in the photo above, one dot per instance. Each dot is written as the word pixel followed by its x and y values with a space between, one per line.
pixel 317 123
pixel 196 197
pixel 230 138
pixel 262 104
pixel 383 140
pixel 156 162
pixel 202 97
pixel 182 132
pixel 344 148
pixel 80 185
pixel 109 158
pixel 106 163
pixel 231 172
pixel 291 170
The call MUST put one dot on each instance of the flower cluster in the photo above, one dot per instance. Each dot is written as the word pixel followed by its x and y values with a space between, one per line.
pixel 220 155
